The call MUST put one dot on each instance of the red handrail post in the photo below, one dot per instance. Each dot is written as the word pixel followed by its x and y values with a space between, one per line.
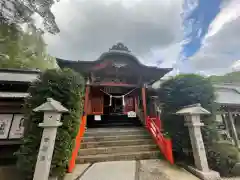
pixel 78 140
pixel 165 144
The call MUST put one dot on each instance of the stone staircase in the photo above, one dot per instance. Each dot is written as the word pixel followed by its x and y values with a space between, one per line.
pixel 114 144
pixel 109 121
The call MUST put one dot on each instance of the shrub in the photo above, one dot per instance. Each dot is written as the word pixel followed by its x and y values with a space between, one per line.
pixel 222 157
pixel 66 87
pixel 180 91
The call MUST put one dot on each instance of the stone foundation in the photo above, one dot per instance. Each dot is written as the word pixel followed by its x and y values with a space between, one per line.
pixel 210 175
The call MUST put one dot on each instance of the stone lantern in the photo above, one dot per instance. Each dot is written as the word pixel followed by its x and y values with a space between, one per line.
pixel 51 121
pixel 192 121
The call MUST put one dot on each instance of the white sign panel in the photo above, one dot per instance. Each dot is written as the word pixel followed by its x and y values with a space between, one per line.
pixel 131 114
pixel 17 128
pixel 97 117
pixel 5 123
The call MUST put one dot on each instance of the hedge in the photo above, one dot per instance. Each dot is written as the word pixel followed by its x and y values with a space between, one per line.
pixel 222 157
pixel 176 93
pixel 67 87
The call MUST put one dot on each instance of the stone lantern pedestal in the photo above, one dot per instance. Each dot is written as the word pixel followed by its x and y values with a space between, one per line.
pixel 192 121
pixel 52 115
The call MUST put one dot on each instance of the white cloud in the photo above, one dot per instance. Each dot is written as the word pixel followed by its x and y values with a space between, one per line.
pixel 236 66
pixel 220 48
pixel 150 28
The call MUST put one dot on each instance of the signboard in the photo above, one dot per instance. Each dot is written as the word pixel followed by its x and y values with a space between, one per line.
pixel 17 128
pixel 131 114
pixel 5 124
pixel 97 117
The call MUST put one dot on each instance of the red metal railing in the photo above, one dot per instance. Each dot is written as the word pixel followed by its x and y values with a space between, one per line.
pixel 78 140
pixel 165 144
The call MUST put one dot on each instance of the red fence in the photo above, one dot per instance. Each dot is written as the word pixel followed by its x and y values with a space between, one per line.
pixel 77 144
pixel 165 144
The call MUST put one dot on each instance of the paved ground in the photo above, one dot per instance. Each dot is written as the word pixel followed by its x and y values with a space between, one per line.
pixel 130 170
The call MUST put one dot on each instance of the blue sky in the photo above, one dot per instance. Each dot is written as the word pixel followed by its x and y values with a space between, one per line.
pixel 198 19
pixel 202 15
pixel 197 16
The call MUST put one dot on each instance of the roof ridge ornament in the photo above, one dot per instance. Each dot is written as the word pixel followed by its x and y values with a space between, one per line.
pixel 119 47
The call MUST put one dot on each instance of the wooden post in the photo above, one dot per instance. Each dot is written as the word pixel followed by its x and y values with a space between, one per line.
pixel 233 130
pixel 135 104
pixel 144 103
pixel 86 100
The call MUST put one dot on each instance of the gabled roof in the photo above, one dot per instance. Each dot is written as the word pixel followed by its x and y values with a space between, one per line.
pixel 13 95
pixel 18 75
pixel 193 109
pixel 227 94
pixel 51 106
pixel 118 50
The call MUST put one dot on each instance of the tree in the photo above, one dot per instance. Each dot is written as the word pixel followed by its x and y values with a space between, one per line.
pixel 23 49
pixel 178 92
pixel 67 87
pixel 185 90
pixel 233 77
pixel 20 11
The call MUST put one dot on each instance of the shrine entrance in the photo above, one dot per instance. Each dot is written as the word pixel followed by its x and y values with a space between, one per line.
pixel 116 87
pixel 117 94
pixel 111 105
pixel 116 108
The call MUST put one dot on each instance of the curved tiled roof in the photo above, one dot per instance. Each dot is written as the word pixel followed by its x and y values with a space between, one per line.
pixel 119 50
pixel 18 75
pixel 228 94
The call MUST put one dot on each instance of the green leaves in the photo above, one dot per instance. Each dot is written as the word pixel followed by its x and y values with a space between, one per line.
pixel 222 157
pixel 21 11
pixel 66 87
pixel 233 77
pixel 177 92
pixel 23 49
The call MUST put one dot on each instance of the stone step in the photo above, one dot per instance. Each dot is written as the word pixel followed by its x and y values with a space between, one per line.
pixel 85 145
pixel 114 131
pixel 118 124
pixel 118 137
pixel 117 149
pixel 118 157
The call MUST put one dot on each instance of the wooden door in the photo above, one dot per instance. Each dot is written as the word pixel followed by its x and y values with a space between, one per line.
pixel 129 104
pixel 97 105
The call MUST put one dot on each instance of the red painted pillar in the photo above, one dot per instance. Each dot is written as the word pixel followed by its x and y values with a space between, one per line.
pixel 86 100
pixel 144 101
pixel 135 104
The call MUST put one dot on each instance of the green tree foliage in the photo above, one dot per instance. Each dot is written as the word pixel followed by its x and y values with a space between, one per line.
pixel 185 90
pixel 233 77
pixel 66 87
pixel 178 92
pixel 23 49
pixel 222 157
pixel 21 11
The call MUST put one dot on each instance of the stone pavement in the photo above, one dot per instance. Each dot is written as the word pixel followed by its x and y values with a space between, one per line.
pixel 130 170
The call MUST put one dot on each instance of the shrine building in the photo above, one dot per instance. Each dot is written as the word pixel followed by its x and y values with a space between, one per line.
pixel 118 88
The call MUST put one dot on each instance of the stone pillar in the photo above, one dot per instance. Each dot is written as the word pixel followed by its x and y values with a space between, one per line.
pixel 194 127
pixel 52 115
pixel 233 130
pixel 192 121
